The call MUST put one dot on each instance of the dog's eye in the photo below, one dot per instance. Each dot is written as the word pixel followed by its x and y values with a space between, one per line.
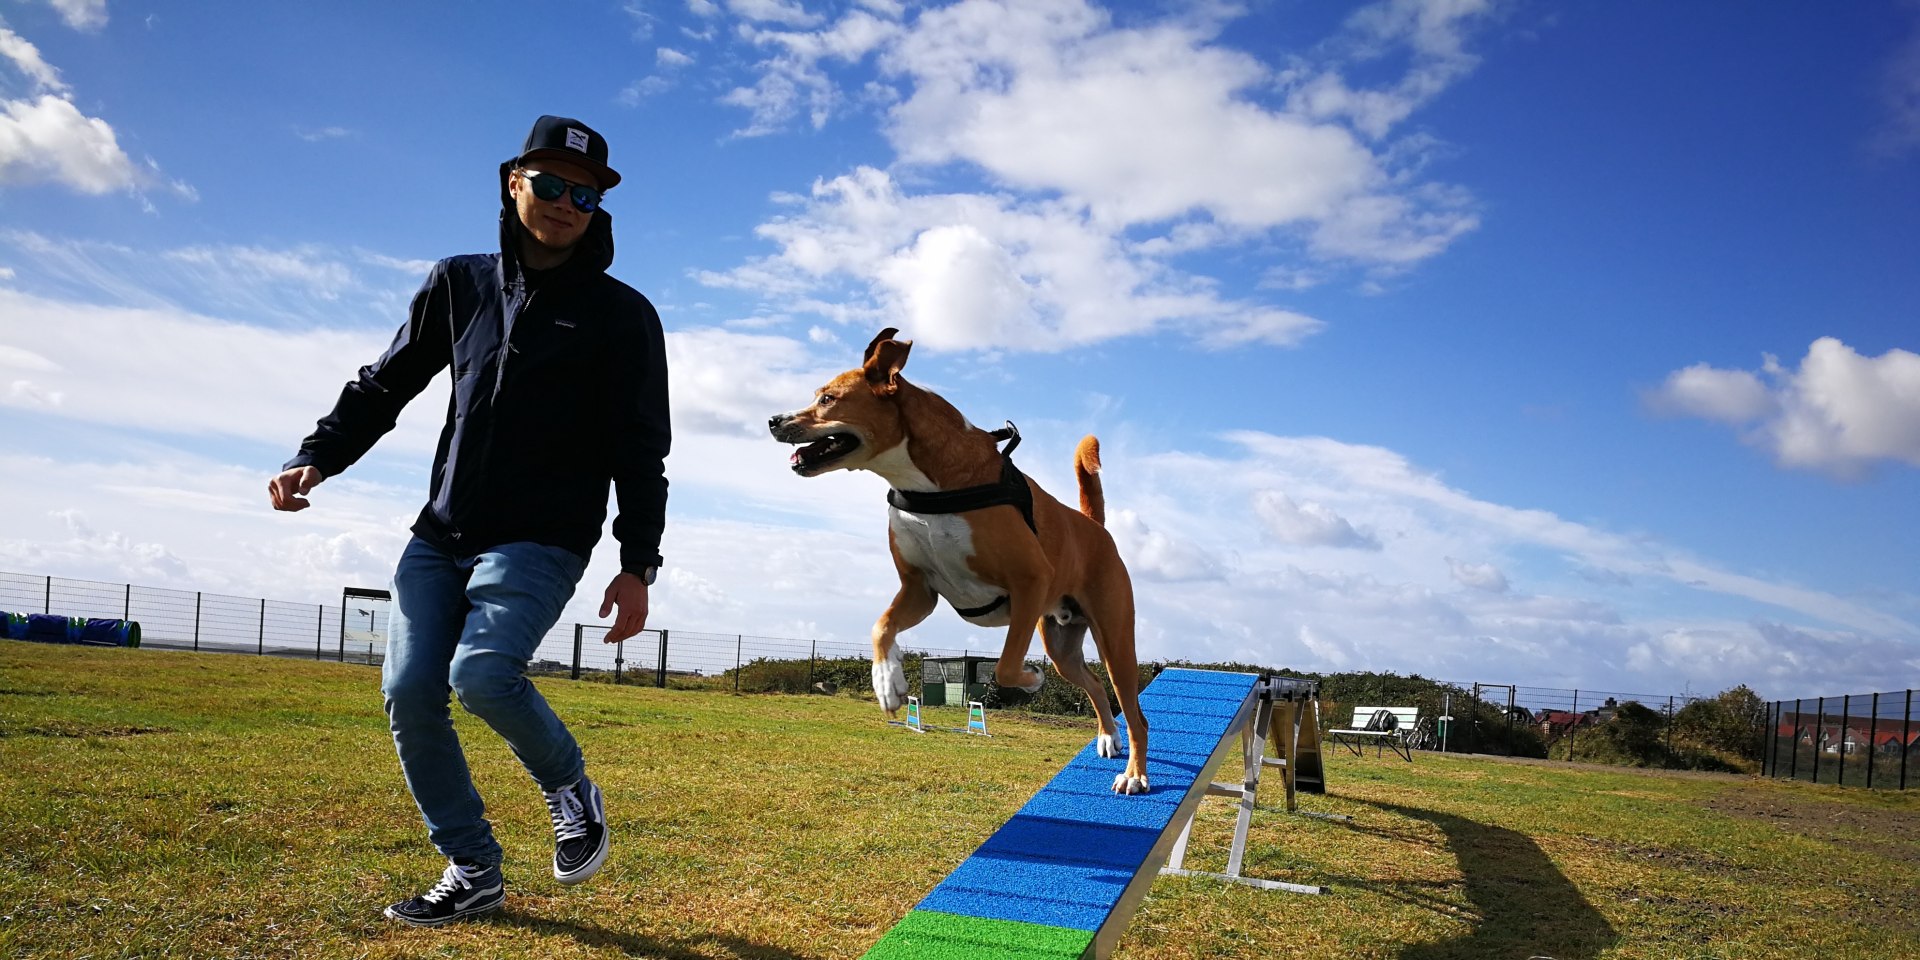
pixel 826 399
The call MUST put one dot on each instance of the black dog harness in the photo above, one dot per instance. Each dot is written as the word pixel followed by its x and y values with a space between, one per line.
pixel 1010 490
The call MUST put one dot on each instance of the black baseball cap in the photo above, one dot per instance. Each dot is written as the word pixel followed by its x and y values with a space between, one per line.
pixel 563 138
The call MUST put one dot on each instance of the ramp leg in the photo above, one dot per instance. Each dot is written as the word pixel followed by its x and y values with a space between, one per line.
pixel 1254 751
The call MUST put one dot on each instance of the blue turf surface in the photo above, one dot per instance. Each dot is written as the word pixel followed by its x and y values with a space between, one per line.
pixel 1066 857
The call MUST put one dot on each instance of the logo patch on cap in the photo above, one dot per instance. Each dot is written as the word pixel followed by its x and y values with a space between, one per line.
pixel 576 140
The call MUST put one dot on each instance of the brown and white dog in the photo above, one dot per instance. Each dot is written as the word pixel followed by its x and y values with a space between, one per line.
pixel 1009 564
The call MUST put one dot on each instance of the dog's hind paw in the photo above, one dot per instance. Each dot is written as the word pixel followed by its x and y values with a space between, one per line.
pixel 1107 746
pixel 1130 784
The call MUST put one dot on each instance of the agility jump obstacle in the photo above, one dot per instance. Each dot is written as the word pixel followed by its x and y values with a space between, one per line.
pixel 1062 878
pixel 976 719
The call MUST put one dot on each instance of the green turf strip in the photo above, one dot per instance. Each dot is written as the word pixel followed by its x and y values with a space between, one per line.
pixel 931 935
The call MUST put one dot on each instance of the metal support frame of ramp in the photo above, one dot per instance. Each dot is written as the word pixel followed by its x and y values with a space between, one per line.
pixel 1062 878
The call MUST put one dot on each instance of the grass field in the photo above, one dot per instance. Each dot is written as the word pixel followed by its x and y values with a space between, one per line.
pixel 157 804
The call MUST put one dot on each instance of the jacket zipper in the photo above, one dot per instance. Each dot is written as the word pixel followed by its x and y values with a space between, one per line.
pixel 499 380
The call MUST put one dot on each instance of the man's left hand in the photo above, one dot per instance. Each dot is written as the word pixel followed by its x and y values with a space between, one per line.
pixel 629 594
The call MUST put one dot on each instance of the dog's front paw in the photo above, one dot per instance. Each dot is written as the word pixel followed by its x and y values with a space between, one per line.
pixel 1108 746
pixel 890 685
pixel 1031 681
pixel 1130 783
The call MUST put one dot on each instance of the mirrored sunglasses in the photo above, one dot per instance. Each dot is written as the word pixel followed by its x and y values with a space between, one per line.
pixel 547 186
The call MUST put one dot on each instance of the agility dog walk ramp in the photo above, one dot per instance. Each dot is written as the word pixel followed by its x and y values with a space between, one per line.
pixel 1062 878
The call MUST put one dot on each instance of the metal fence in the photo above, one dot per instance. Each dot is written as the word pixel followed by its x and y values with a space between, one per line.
pixel 1468 717
pixel 1509 719
pixel 1856 740
pixel 192 620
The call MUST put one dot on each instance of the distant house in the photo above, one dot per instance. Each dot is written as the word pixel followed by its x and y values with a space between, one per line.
pixel 1557 723
pixel 1828 735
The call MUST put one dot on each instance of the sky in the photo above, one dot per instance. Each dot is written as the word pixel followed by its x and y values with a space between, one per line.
pixel 1565 345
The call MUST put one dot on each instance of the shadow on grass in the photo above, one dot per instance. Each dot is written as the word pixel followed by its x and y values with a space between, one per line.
pixel 1526 906
pixel 637 946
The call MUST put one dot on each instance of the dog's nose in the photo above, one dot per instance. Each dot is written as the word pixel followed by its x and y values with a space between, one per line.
pixel 774 422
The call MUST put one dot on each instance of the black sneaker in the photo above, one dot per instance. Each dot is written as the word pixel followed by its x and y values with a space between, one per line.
pixel 464 890
pixel 579 831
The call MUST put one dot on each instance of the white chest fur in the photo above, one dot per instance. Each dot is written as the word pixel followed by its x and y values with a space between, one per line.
pixel 939 545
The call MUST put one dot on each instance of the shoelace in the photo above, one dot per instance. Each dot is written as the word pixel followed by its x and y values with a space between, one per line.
pixel 456 877
pixel 568 812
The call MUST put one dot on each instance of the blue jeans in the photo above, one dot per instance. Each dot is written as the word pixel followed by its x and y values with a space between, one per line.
pixel 468 627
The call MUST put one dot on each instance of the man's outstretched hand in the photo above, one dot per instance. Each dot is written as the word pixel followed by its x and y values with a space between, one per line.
pixel 288 490
pixel 629 594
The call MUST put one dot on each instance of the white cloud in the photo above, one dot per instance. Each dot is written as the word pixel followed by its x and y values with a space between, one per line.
pixel 1308 524
pixel 1840 412
pixel 1211 581
pixel 669 57
pixel 1899 133
pixel 641 89
pixel 46 139
pixel 82 14
pixel 971 271
pixel 788 12
pixel 26 58
pixel 1047 99
pixel 1154 555
pixel 318 134
pixel 1479 576
pixel 176 373
pixel 50 141
pixel 1727 396
pixel 1433 32
pixel 255 283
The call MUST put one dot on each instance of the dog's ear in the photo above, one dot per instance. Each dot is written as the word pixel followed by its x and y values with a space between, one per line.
pixel 885 357
pixel 874 344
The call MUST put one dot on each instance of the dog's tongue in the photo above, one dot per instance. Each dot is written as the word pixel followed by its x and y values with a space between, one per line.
pixel 796 456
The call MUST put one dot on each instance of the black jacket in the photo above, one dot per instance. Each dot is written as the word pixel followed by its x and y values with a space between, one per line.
pixel 557 391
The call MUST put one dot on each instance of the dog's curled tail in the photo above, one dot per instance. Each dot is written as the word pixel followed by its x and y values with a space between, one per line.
pixel 1086 469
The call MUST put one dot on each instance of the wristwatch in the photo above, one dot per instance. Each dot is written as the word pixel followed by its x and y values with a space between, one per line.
pixel 648 575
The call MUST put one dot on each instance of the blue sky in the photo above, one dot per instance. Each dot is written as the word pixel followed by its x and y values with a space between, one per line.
pixel 1564 345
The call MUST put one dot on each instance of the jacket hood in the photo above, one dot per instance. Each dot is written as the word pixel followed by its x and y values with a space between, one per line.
pixel 593 254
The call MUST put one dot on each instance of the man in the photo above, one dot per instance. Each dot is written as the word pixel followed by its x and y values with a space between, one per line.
pixel 559 388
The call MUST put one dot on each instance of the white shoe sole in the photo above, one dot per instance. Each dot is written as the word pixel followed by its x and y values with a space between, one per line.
pixel 462 915
pixel 586 870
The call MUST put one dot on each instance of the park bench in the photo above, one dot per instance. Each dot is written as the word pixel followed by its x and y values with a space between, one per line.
pixel 1387 728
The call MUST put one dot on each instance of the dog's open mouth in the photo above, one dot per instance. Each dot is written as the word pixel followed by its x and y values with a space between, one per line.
pixel 819 453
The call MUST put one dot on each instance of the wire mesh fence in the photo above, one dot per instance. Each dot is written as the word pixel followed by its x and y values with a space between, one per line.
pixel 1858 740
pixel 1464 717
pixel 195 620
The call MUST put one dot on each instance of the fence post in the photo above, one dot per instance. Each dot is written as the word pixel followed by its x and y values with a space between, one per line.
pixel 1670 717
pixel 619 660
pixel 1793 759
pixel 813 653
pixel 196 621
pixel 260 649
pixel 1846 731
pixel 738 641
pixel 1778 715
pixel 126 612
pixel 1769 740
pixel 49 602
pixel 1906 738
pixel 1819 730
pixel 319 629
pixel 1873 738
pixel 660 672
pixel 1573 729
pixel 579 634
